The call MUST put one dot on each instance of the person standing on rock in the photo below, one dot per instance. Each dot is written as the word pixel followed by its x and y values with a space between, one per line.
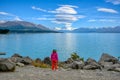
pixel 54 60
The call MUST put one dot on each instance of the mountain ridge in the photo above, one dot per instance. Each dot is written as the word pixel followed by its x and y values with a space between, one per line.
pixel 94 30
pixel 98 30
pixel 24 26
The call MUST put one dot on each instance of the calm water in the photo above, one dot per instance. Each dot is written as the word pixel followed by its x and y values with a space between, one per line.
pixel 41 44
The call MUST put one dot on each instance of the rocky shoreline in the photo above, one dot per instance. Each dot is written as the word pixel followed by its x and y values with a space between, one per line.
pixel 106 62
pixel 18 67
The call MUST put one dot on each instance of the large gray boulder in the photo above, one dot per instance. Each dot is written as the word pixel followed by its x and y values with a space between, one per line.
pixel 107 58
pixel 24 60
pixel 114 67
pixel 69 60
pixel 76 65
pixel 91 64
pixel 16 59
pixel 109 62
pixel 20 64
pixel 16 55
pixel 7 65
pixel 117 69
pixel 118 62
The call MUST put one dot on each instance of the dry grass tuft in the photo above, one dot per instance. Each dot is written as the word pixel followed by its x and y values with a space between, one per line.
pixel 40 64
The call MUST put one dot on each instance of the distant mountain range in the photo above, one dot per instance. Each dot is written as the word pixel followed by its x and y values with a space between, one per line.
pixel 94 30
pixel 98 30
pixel 23 26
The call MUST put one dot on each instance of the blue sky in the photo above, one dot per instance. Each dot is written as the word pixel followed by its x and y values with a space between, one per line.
pixel 63 14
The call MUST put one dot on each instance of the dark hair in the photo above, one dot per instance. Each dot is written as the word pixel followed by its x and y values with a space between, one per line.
pixel 54 50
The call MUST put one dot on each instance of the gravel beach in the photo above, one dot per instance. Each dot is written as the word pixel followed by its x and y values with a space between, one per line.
pixel 35 73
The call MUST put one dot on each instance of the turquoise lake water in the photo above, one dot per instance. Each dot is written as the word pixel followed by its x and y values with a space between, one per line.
pixel 40 45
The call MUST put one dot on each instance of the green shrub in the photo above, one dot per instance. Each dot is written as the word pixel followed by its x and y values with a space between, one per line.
pixel 75 56
pixel 82 59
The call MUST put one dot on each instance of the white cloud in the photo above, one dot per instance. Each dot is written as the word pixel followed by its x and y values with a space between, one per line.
pixel 107 10
pixel 63 9
pixel 10 16
pixel 69 6
pixel 101 20
pixel 39 9
pixel 66 9
pixel 17 19
pixel 64 14
pixel 66 18
pixel 6 14
pixel 68 26
pixel 115 2
pixel 44 18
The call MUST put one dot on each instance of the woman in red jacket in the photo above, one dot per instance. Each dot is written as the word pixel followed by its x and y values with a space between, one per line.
pixel 54 59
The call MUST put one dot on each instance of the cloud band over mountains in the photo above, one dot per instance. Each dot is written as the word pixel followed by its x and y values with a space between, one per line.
pixel 64 14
